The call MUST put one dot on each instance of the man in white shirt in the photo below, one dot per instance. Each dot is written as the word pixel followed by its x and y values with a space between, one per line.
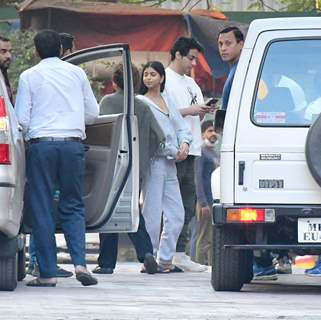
pixel 67 44
pixel 54 102
pixel 185 95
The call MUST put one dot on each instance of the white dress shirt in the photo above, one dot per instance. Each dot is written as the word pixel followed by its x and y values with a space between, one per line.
pixel 182 91
pixel 54 99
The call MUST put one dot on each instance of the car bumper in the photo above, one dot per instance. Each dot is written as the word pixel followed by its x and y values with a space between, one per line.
pixel 263 230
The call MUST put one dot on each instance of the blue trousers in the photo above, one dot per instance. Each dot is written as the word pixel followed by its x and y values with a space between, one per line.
pixel 50 165
pixel 108 247
pixel 186 180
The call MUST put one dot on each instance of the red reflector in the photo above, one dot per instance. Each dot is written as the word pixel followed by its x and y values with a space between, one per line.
pixel 4 154
pixel 3 111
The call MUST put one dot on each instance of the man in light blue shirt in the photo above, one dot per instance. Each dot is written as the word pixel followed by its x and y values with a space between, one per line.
pixel 54 102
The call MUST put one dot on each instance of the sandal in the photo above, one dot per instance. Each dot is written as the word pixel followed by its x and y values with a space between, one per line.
pixel 38 283
pixel 162 269
pixel 176 269
pixel 103 270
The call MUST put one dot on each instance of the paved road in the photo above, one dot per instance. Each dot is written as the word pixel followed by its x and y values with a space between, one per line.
pixel 127 294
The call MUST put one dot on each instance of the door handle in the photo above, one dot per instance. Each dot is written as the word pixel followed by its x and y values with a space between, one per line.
pixel 241 172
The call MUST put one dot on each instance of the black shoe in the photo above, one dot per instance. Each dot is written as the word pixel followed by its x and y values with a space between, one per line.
pixel 62 273
pixel 102 270
pixel 150 264
pixel 86 279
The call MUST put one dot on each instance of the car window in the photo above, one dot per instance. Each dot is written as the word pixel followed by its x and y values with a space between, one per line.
pixel 289 85
pixel 100 74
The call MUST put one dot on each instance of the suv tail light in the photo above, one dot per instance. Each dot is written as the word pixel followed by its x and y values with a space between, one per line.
pixel 4 134
pixel 4 154
pixel 3 110
pixel 250 215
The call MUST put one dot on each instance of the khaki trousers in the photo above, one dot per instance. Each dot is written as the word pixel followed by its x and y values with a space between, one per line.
pixel 204 240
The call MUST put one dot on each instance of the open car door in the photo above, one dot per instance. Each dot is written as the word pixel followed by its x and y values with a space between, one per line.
pixel 112 177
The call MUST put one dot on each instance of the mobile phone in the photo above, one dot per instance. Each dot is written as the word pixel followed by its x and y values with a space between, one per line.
pixel 211 101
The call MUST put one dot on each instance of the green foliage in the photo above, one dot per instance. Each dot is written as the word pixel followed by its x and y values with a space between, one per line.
pixel 24 55
pixel 289 5
pixel 299 5
pixel 8 2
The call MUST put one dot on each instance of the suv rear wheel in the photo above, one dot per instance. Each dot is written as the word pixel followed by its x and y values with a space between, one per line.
pixel 8 272
pixel 21 263
pixel 248 265
pixel 227 273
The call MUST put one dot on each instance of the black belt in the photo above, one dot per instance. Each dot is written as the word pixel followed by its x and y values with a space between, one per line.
pixel 34 140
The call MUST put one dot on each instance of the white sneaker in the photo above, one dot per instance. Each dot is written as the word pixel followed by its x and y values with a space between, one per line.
pixel 184 262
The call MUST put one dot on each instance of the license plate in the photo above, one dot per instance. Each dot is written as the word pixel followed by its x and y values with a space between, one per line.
pixel 309 230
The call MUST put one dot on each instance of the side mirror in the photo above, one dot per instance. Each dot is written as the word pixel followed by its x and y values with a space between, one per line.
pixel 219 120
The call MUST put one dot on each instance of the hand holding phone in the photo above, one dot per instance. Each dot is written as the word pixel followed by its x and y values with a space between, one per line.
pixel 211 105
pixel 211 101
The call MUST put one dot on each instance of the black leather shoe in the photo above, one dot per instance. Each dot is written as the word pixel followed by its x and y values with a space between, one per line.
pixel 150 264
pixel 102 270
pixel 86 279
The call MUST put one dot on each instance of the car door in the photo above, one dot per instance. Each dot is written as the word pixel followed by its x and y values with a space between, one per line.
pixel 274 118
pixel 111 188
pixel 111 176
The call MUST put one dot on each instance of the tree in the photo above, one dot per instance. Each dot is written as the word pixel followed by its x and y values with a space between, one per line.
pixel 24 55
pixel 289 5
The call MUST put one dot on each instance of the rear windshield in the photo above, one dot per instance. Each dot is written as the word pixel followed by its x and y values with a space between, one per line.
pixel 289 86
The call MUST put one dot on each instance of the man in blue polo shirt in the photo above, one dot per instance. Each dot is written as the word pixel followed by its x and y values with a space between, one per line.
pixel 230 44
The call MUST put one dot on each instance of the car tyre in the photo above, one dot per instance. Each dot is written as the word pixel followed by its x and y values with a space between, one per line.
pixel 22 263
pixel 227 263
pixel 8 273
pixel 248 266
pixel 313 151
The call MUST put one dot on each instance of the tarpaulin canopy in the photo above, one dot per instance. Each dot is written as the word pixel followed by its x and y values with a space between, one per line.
pixel 143 28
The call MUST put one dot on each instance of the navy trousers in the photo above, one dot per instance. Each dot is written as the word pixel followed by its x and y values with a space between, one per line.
pixel 50 165
pixel 108 248
pixel 186 180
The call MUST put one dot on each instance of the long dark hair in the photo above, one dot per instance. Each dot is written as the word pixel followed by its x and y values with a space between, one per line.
pixel 159 68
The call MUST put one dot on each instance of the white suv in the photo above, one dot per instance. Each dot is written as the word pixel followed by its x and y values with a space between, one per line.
pixel 270 175
pixel 111 177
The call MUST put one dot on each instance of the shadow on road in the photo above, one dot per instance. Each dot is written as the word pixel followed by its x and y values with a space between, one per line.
pixel 287 284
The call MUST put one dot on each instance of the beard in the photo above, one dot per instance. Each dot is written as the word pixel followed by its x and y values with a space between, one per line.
pixel 209 143
pixel 4 66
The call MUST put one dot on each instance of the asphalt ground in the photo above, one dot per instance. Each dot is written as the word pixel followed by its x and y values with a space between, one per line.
pixel 131 295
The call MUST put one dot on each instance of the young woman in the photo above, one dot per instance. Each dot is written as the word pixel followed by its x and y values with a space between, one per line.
pixel 161 189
